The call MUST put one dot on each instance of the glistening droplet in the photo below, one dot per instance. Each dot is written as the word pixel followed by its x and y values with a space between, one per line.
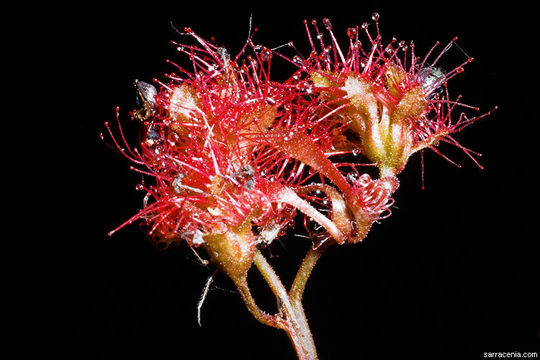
pixel 327 23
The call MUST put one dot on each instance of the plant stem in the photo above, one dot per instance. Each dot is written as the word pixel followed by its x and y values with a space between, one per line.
pixel 295 321
pixel 258 314
pixel 290 197
pixel 299 283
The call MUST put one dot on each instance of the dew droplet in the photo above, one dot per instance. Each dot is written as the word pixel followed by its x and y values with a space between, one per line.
pixel 365 25
pixel 266 54
pixel 297 59
pixel 302 85
pixel 351 32
pixel 327 23
pixel 375 16
pixel 356 152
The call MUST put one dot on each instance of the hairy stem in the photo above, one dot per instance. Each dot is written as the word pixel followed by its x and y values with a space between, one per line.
pixel 294 319
pixel 299 283
pixel 258 314
pixel 340 217
pixel 288 196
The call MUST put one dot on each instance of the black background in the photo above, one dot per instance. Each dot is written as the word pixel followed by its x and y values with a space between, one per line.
pixel 451 275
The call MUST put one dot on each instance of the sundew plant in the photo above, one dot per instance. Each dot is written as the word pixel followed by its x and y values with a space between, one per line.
pixel 233 159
